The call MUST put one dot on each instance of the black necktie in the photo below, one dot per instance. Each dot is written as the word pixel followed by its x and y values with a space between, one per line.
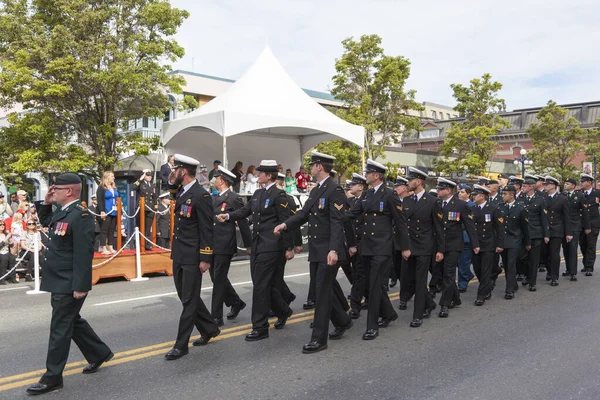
pixel 415 197
pixel 179 191
pixel 444 204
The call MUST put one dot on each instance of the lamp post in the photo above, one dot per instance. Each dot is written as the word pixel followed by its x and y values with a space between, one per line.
pixel 523 160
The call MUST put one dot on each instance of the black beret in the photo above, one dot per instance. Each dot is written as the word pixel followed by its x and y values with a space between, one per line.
pixel 509 188
pixel 68 178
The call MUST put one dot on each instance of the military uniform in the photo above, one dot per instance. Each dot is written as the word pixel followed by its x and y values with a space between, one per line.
pixel 360 285
pixel 145 189
pixel 163 226
pixel 589 241
pixel 537 225
pixel 68 269
pixel 559 222
pixel 580 221
pixel 515 238
pixel 225 246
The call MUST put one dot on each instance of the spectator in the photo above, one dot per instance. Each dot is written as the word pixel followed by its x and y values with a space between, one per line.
pixel 280 168
pixel 203 179
pixel 165 170
pixel 14 202
pixel 238 172
pixel 251 180
pixel 163 221
pixel 211 174
pixel 290 181
pixel 28 247
pixel 6 258
pixel 107 195
pixel 5 209
pixel 16 230
pixel 302 180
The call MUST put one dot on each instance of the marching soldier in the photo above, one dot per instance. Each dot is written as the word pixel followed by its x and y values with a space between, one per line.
pixel 490 233
pixel 401 190
pixel 495 197
pixel 358 188
pixel 145 189
pixel 518 184
pixel 68 277
pixel 163 221
pixel 589 238
pixel 426 239
pixel 580 221
pixel 268 207
pixel 537 224
pixel 191 252
pixel 225 247
pixel 455 216
pixel 515 238
pixel 559 222
pixel 324 212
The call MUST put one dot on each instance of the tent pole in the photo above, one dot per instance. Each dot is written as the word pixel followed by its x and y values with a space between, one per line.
pixel 301 143
pixel 225 164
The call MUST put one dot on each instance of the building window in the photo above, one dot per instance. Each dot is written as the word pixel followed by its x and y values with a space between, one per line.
pixel 145 122
pixel 429 133
pixel 448 114
pixel 433 114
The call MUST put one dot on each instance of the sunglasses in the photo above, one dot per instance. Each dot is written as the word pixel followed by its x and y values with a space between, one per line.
pixel 31 223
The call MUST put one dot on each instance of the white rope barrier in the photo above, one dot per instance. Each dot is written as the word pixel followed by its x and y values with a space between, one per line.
pixel 162 248
pixel 138 259
pixel 114 209
pixel 36 264
pixel 116 254
pixel 19 260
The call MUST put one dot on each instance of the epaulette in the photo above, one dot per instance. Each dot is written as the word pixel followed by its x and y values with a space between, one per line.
pixel 206 195
pixel 136 183
pixel 338 189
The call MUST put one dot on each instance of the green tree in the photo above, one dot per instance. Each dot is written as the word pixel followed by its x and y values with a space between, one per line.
pixel 469 143
pixel 557 140
pixel 81 70
pixel 347 156
pixel 372 85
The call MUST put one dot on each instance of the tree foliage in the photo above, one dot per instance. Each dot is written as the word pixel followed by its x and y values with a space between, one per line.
pixel 469 144
pixel 556 140
pixel 81 70
pixel 372 85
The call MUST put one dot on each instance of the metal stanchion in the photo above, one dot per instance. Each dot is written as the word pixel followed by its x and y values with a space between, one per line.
pixel 36 266
pixel 138 258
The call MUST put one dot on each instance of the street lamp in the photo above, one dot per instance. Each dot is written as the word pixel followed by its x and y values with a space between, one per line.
pixel 523 161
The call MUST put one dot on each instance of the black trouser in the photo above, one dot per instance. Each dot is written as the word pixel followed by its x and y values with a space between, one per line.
pixel 29 262
pixel 377 267
pixel 148 221
pixel 554 257
pixel 312 284
pixel 67 324
pixel 509 260
pixel 283 288
pixel 188 282
pixel 4 262
pixel 396 265
pixel 416 284
pixel 449 288
pixel 107 231
pixel 223 291
pixel 164 242
pixel 96 241
pixel 496 270
pixel 407 282
pixel 532 258
pixel 328 306
pixel 265 296
pixel 570 253
pixel 588 248
pixel 483 264
pixel 359 287
pixel 522 267
pixel 347 268
pixel 544 255
pixel 437 274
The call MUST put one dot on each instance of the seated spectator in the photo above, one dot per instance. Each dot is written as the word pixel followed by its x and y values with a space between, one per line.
pixel 16 230
pixel 251 180
pixel 28 248
pixel 302 180
pixel 290 182
pixel 6 259
pixel 5 209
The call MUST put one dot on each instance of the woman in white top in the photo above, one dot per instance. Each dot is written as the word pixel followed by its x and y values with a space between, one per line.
pixel 28 247
pixel 251 180
pixel 5 209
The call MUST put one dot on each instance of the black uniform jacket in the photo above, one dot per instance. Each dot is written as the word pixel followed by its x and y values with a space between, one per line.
pixel 225 234
pixel 537 218
pixel 456 217
pixel 70 249
pixel 268 208
pixel 357 221
pixel 578 212
pixel 163 221
pixel 515 226
pixel 490 227
pixel 193 230
pixel 380 210
pixel 324 212
pixel 591 202
pixel 146 190
pixel 425 229
pixel 559 218
pixel 296 233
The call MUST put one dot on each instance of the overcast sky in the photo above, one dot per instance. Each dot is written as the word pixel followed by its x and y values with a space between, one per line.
pixel 539 50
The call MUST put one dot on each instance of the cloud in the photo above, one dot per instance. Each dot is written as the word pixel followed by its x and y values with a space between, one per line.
pixel 539 50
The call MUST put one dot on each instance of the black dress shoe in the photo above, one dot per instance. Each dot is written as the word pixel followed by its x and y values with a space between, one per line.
pixel 235 309
pixel 509 295
pixel 479 302
pixel 280 323
pixel 205 339
pixel 402 305
pixel 415 323
pixel 454 304
pixel 554 282
pixel 489 296
pixel 219 322
pixel 291 299
pixel 93 367
pixel 573 278
pixel 542 269
pixel 370 334
pixel 257 335
pixel 174 354
pixel 354 314
pixel 566 273
pixel 393 282
pixel 532 288
pixel 444 312
pixel 384 322
pixel 309 305
pixel 583 270
pixel 338 332
pixel 525 282
pixel 41 388
pixel 520 277
pixel 428 311
pixel 313 347
pixel 462 289
pixel 365 305
pixel 588 273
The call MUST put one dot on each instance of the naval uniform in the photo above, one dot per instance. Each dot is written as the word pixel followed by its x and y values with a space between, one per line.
pixel 192 243
pixel 163 226
pixel 559 222
pixel 68 268
pixel 588 242
pixel 490 233
pixel 537 224
pixel 580 221
pixel 516 236
pixel 324 212
pixel 145 189
pixel 225 246
pixel 360 278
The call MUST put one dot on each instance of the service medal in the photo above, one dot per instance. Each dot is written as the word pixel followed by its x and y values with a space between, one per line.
pixel 321 203
pixel 488 217
pixel 381 206
pixel 267 203
pixel 64 229
pixel 223 206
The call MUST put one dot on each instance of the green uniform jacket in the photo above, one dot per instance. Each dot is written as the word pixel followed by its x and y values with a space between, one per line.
pixel 70 249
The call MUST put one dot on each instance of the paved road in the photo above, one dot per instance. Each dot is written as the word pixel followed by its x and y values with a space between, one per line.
pixel 541 345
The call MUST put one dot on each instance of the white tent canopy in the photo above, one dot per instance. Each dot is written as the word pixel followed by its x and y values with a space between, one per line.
pixel 263 115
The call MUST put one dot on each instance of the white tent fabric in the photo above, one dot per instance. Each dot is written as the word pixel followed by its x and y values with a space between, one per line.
pixel 263 115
